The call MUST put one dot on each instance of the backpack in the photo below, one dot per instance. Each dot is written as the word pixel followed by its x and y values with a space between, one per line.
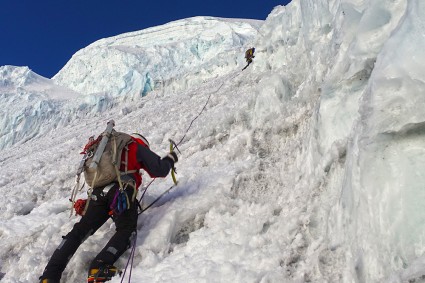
pixel 108 168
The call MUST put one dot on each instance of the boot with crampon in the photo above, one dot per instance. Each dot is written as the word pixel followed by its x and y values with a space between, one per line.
pixel 102 274
pixel 48 281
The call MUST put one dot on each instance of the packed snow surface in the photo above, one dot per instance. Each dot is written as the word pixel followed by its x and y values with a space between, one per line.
pixel 306 167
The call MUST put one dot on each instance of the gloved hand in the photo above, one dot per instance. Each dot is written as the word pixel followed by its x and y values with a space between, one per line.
pixel 172 156
pixel 79 206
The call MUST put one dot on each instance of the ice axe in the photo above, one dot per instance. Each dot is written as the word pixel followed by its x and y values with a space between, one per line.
pixel 173 146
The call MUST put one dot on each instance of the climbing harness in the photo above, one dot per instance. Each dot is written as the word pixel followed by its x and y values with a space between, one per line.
pixel 120 203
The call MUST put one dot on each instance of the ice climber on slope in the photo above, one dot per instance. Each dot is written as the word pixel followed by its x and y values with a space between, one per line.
pixel 99 210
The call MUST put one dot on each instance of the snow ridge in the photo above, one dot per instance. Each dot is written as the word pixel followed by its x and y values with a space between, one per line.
pixel 173 56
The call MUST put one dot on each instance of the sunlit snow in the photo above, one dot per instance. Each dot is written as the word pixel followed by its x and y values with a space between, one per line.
pixel 306 167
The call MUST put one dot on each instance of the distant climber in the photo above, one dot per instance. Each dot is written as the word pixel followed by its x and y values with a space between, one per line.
pixel 115 199
pixel 249 55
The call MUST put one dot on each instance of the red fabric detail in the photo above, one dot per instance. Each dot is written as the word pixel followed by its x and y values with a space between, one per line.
pixel 79 206
pixel 140 141
pixel 90 143
pixel 132 160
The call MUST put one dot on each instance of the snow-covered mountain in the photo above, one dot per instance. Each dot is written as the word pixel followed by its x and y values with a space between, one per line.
pixel 306 167
pixel 31 105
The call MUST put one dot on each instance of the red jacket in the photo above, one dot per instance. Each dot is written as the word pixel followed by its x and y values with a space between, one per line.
pixel 141 157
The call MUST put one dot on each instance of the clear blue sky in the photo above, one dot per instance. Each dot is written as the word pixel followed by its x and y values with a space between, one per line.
pixel 44 34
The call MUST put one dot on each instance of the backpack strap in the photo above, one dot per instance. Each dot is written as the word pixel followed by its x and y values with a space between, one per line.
pixel 125 162
pixel 117 150
pixel 116 155
pixel 125 149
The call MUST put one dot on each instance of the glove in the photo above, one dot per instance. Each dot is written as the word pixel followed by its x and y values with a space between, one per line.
pixel 79 206
pixel 172 156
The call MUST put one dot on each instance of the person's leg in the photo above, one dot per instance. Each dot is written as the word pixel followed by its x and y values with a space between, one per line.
pixel 95 217
pixel 126 224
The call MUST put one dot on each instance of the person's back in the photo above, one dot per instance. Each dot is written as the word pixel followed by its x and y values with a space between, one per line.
pixel 116 200
pixel 141 157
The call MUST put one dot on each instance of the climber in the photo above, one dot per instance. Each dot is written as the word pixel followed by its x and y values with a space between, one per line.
pixel 117 200
pixel 249 55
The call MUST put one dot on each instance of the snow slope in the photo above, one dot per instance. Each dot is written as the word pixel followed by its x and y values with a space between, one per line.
pixel 306 167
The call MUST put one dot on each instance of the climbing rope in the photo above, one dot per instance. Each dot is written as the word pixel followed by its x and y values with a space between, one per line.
pixel 130 259
pixel 143 194
pixel 157 199
pixel 203 108
pixel 173 146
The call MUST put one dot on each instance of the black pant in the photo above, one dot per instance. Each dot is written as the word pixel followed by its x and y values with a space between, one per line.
pixel 96 215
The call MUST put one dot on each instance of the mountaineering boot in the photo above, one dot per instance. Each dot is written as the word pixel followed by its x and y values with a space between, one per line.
pixel 103 273
pixel 48 281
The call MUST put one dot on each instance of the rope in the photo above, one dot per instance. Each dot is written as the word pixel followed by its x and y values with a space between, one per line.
pixel 157 199
pixel 203 108
pixel 130 258
pixel 141 198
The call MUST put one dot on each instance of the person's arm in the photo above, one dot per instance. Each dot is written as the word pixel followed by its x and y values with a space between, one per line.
pixel 152 163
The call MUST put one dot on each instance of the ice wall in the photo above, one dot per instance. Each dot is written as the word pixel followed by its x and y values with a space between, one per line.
pixel 347 90
pixel 383 196
pixel 31 105
pixel 328 123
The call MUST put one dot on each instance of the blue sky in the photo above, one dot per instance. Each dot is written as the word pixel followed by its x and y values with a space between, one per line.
pixel 44 34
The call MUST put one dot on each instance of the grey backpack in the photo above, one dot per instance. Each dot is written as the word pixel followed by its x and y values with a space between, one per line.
pixel 108 167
